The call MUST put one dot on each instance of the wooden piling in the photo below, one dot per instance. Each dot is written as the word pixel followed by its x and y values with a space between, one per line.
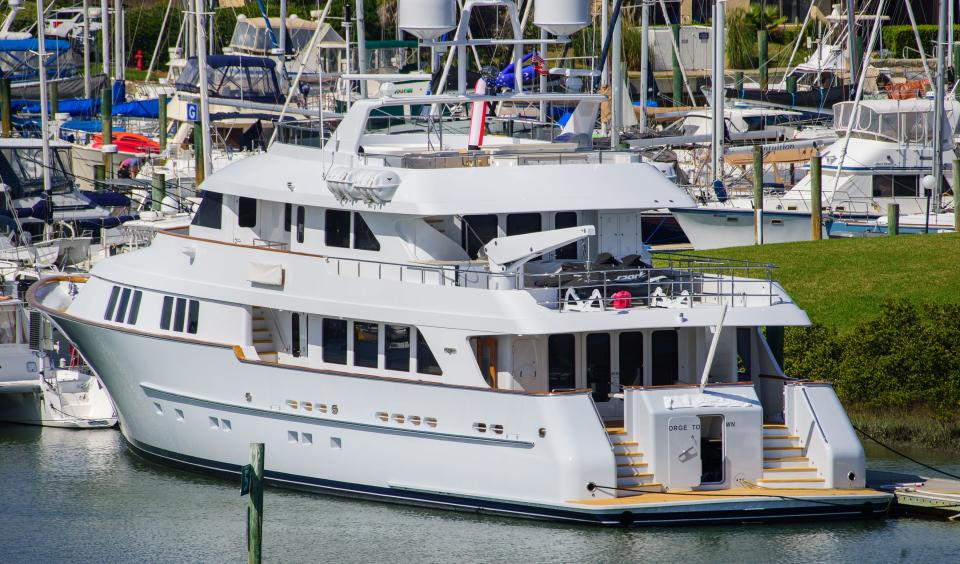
pixel 5 107
pixel 792 84
pixel 255 506
pixel 99 175
pixel 956 193
pixel 199 173
pixel 106 124
pixel 816 199
pixel 162 122
pixel 758 194
pixel 763 54
pixel 893 219
pixel 738 82
pixel 54 95
pixel 158 191
pixel 677 75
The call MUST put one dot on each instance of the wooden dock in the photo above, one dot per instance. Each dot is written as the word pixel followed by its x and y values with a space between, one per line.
pixel 919 494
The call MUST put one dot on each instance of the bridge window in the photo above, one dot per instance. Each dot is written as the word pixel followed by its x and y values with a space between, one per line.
pixel 363 238
pixel 895 186
pixel 366 341
pixel 337 228
pixel 124 302
pixel 247 212
pixel 193 317
pixel 166 312
pixel 112 303
pixel 562 362
pixel 210 212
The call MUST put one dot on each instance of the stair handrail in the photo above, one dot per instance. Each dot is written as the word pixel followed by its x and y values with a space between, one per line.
pixel 813 412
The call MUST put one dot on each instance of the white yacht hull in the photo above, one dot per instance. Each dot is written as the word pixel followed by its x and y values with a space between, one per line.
pixel 324 431
pixel 71 402
pixel 716 228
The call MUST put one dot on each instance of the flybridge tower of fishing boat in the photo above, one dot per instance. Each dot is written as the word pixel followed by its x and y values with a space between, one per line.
pixel 403 318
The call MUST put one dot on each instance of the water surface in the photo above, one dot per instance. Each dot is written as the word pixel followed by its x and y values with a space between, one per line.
pixel 83 496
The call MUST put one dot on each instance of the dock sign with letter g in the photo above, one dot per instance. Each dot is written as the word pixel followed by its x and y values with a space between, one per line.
pixel 192 113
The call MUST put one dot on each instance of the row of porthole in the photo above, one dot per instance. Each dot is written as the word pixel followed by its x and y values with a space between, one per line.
pixel 482 428
pixel 400 419
pixel 310 406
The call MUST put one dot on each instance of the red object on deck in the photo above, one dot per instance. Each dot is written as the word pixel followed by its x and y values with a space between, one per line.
pixel 129 142
pixel 622 300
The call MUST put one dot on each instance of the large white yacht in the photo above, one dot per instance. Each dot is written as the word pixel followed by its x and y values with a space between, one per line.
pixel 459 312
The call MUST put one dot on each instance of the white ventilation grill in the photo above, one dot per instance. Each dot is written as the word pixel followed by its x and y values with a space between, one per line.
pixel 36 330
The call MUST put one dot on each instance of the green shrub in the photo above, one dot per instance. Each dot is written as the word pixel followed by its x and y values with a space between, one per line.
pixel 897 37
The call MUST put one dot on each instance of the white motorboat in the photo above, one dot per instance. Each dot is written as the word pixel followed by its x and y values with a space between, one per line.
pixel 33 390
pixel 882 161
pixel 399 317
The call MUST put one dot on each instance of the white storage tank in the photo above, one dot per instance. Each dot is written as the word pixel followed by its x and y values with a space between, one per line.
pixel 562 17
pixel 427 19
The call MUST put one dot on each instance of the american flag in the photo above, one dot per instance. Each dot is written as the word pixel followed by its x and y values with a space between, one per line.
pixel 538 64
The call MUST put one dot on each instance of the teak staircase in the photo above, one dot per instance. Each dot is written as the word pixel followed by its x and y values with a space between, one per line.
pixel 632 473
pixel 785 464
pixel 263 340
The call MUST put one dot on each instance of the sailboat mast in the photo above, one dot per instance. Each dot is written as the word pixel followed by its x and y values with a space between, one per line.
pixel 87 92
pixel 938 107
pixel 719 18
pixel 201 45
pixel 44 121
pixel 105 35
pixel 851 42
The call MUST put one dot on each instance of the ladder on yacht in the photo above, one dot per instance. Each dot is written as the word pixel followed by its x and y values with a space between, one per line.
pixel 633 474
pixel 263 339
pixel 785 461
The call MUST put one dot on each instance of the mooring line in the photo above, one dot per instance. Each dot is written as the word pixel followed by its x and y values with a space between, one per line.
pixel 895 451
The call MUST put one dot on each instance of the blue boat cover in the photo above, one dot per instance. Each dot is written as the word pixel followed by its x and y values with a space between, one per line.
pixel 32 44
pixel 220 61
pixel 139 108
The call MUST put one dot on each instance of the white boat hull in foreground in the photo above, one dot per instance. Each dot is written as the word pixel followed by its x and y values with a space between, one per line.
pixel 719 227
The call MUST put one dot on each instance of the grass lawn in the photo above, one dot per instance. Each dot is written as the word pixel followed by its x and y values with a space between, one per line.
pixel 841 282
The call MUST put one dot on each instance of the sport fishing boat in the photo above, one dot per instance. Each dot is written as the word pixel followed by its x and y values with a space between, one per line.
pixel 883 153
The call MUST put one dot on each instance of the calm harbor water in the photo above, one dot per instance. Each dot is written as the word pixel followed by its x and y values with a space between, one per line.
pixel 69 496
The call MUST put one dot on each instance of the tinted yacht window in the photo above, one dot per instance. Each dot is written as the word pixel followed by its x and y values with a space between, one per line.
pixel 426 362
pixel 363 238
pixel 478 230
pixel 337 229
pixel 247 212
pixel 366 339
pixel 564 220
pixel 210 212
pixel 335 341
pixel 397 350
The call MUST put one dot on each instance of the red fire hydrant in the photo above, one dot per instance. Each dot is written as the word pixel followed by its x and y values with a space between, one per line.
pixel 139 58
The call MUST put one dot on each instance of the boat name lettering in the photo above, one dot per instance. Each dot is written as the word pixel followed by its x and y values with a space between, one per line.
pixel 691 427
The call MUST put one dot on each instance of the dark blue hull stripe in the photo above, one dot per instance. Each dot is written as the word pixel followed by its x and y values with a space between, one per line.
pixel 605 516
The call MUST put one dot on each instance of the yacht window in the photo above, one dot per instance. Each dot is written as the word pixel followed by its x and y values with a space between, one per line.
pixel 210 212
pixel 335 341
pixel 895 186
pixel 363 238
pixel 598 365
pixel 247 212
pixel 665 362
pixel 122 308
pixel 523 223
pixel 478 230
pixel 166 312
pixel 193 317
pixel 180 314
pixel 631 358
pixel 287 216
pixel 366 340
pixel 111 303
pixel 135 308
pixel 744 337
pixel 337 228
pixel 397 351
pixel 301 219
pixel 426 362
pixel 295 334
pixel 561 362
pixel 564 220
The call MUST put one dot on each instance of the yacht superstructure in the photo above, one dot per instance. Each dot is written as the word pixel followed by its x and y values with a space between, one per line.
pixel 400 317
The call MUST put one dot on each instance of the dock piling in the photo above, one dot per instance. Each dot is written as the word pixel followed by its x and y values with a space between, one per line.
pixel 816 199
pixel 763 58
pixel 158 191
pixel 199 173
pixel 893 219
pixel 758 194
pixel 54 95
pixel 738 82
pixel 5 129
pixel 106 123
pixel 251 483
pixel 99 175
pixel 162 122
pixel 677 74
